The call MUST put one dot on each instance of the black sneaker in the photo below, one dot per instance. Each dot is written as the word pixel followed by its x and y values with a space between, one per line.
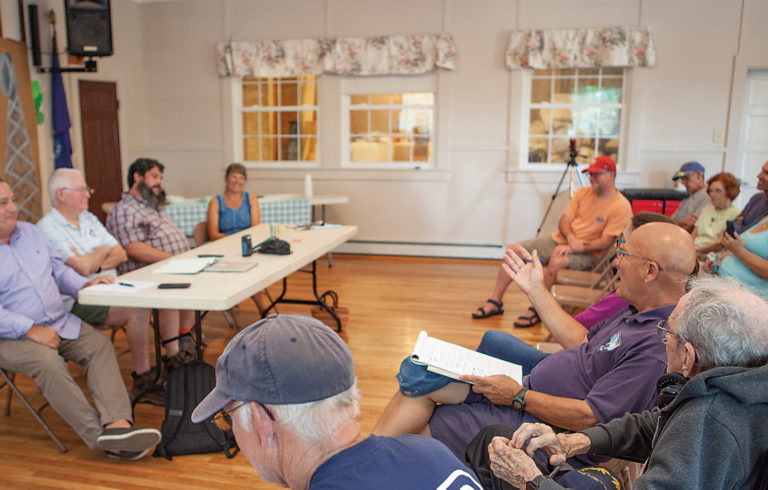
pixel 128 442
pixel 153 394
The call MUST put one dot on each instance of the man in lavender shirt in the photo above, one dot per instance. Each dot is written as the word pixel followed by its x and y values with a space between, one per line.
pixel 612 371
pixel 38 336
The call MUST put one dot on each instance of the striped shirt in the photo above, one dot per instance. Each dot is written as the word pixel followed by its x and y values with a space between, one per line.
pixel 133 220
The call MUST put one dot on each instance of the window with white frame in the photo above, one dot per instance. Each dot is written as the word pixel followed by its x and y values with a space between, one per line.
pixel 389 129
pixel 277 119
pixel 586 104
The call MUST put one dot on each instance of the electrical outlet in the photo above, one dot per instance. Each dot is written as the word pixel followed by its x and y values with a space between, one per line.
pixel 717 135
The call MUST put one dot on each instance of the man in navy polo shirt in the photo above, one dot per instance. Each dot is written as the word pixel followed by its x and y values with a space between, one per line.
pixel 613 372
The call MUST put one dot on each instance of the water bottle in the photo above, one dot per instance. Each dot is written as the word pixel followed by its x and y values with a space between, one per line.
pixel 245 242
pixel 713 263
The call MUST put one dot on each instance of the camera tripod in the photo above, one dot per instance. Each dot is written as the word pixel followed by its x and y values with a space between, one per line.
pixel 571 168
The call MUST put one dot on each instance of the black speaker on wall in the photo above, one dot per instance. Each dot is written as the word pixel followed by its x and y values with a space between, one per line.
pixel 89 27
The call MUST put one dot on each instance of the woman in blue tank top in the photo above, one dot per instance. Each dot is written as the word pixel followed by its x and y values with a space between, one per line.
pixel 747 257
pixel 234 210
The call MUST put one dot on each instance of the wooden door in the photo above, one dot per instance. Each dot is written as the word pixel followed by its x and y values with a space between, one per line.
pixel 101 143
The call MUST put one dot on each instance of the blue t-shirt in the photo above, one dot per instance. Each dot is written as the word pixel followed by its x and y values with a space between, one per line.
pixel 233 220
pixel 408 461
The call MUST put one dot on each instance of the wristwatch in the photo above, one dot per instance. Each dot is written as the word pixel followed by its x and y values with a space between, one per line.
pixel 519 401
pixel 535 483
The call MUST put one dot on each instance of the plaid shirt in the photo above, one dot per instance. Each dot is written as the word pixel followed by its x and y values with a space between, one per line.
pixel 133 220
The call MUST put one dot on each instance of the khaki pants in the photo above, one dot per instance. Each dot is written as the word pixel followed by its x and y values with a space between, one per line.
pixel 48 367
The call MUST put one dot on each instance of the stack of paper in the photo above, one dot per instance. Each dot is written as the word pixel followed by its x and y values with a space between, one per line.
pixel 185 266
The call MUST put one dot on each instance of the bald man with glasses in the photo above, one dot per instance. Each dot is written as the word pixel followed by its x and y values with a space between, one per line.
pixel 612 371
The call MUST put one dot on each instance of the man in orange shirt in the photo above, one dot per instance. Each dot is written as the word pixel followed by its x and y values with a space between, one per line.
pixel 592 221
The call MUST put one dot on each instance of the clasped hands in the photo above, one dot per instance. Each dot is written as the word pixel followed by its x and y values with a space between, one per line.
pixel 512 463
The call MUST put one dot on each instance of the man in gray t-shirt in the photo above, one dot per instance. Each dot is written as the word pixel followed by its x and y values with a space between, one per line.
pixel 692 175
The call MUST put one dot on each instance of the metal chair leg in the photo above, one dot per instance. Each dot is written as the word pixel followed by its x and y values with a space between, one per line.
pixel 8 380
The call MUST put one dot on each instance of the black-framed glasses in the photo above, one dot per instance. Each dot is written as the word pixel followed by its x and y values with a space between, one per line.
pixel 620 251
pixel 90 190
pixel 223 419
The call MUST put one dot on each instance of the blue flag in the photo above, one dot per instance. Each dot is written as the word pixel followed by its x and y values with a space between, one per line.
pixel 62 146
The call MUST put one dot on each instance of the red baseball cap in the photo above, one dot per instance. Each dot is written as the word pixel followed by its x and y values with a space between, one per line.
pixel 602 162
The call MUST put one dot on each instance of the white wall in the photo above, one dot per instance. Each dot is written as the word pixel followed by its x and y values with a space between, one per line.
pixel 175 108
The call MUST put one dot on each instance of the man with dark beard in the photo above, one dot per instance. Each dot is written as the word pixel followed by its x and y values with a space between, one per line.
pixel 149 236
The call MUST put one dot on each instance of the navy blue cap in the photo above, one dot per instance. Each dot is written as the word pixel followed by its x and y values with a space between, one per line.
pixel 689 168
pixel 280 360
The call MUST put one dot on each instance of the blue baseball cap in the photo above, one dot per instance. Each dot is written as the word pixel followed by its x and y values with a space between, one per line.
pixel 689 168
pixel 280 360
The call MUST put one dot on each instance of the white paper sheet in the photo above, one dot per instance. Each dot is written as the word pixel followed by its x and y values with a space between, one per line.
pixel 453 360
pixel 185 266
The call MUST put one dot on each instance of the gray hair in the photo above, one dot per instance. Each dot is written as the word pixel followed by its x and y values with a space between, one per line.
pixel 58 180
pixel 725 322
pixel 314 421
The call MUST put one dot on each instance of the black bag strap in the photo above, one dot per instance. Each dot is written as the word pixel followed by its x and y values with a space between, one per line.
pixel 174 410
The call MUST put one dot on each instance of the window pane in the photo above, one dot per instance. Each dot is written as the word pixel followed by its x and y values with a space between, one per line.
pixel 609 147
pixel 586 150
pixel 564 90
pixel 268 122
pixel 609 122
pixel 422 150
pixel 308 149
pixel 562 121
pixel 251 149
pixel 415 121
pixel 585 120
pixel 540 90
pixel 539 121
pixel 269 149
pixel 289 122
pixel 588 71
pixel 402 151
pixel 358 149
pixel 560 150
pixel 423 98
pixel 589 91
pixel 613 71
pixel 250 95
pixel 611 92
pixel 251 123
pixel 538 149
pixel 269 93
pixel 308 122
pixel 380 99
pixel 289 148
pixel 381 150
pixel 564 72
pixel 308 94
pixel 380 122
pixel 288 95
pixel 358 122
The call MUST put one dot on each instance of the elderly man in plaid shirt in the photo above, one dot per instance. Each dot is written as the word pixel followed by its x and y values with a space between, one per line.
pixel 149 236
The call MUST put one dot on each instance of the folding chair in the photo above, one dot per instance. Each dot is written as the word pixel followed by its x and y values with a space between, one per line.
pixel 8 380
pixel 574 297
pixel 594 278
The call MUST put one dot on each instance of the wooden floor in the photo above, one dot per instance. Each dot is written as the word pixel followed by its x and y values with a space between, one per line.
pixel 390 300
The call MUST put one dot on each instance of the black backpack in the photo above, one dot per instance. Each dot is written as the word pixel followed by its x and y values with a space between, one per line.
pixel 186 387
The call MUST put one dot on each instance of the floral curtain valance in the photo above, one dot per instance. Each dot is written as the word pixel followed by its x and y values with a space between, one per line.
pixel 357 56
pixel 581 48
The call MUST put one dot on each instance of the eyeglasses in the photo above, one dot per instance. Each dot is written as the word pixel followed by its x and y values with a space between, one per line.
pixel 620 251
pixel 663 331
pixel 81 190
pixel 224 418
pixel 620 241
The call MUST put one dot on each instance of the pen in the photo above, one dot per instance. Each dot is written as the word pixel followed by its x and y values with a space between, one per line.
pixel 554 472
pixel 126 284
pixel 209 255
